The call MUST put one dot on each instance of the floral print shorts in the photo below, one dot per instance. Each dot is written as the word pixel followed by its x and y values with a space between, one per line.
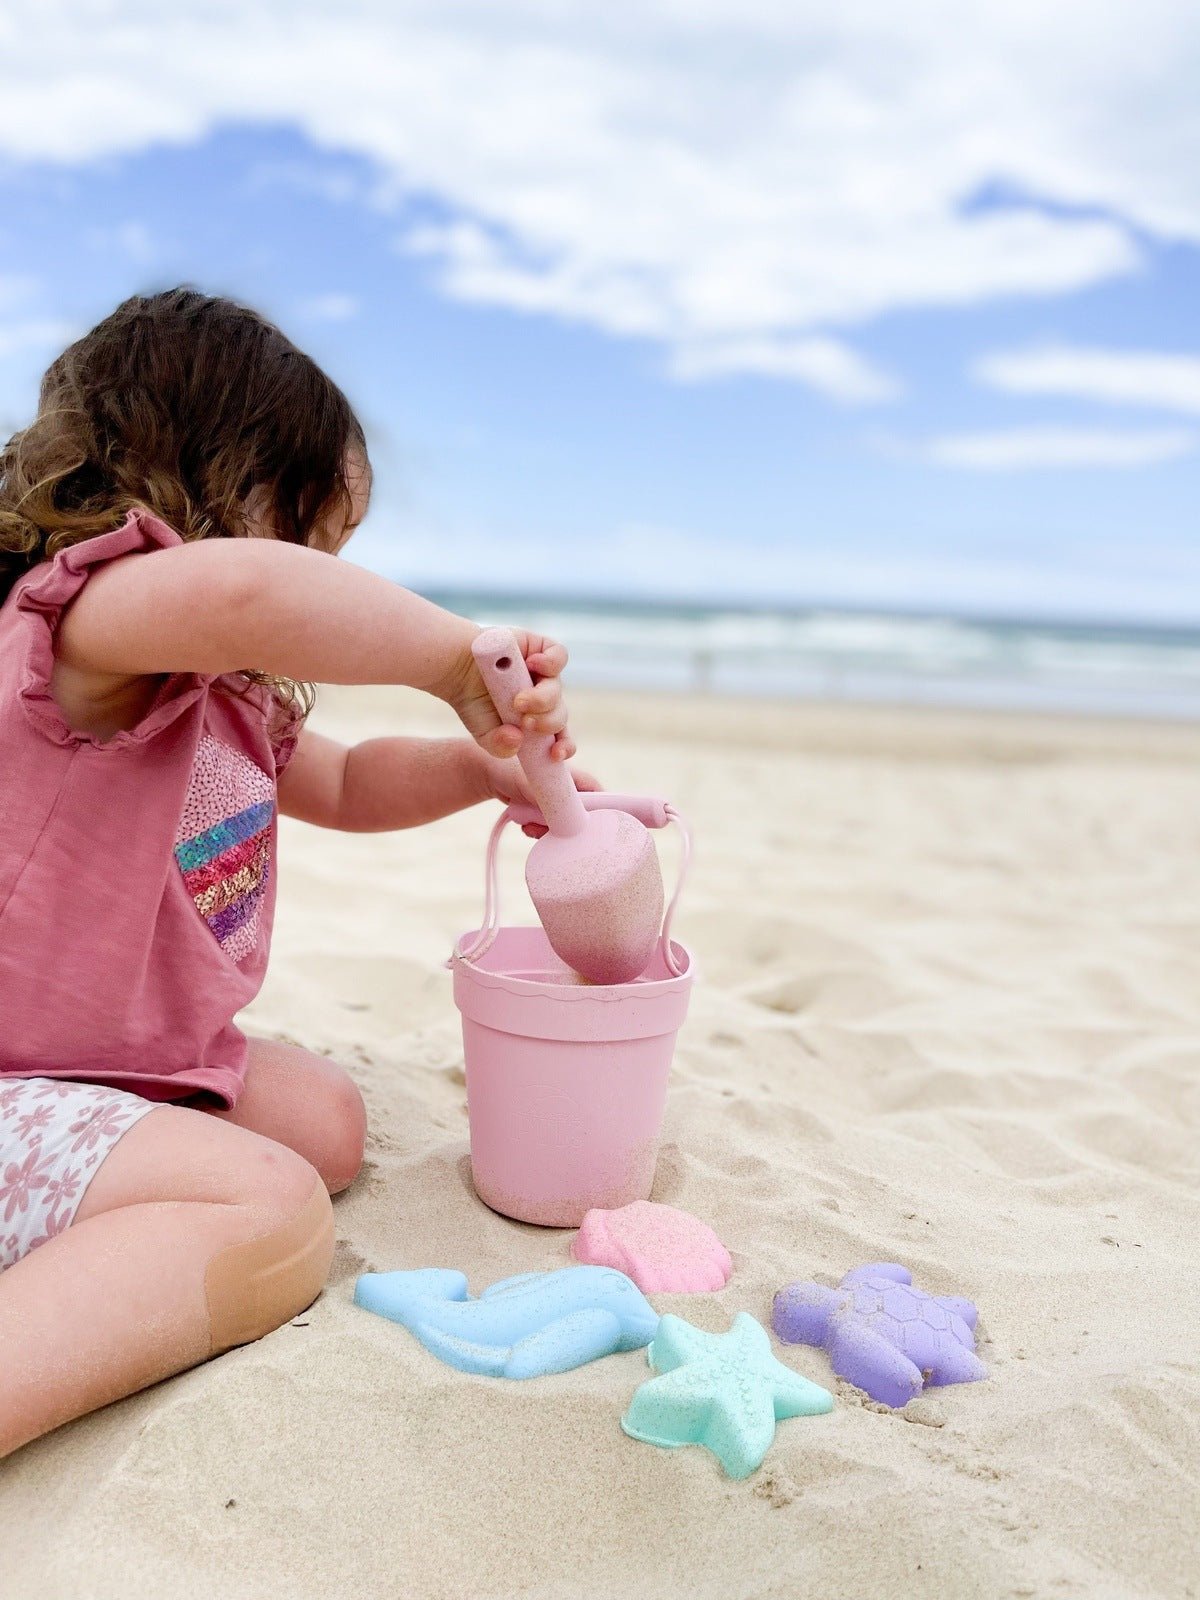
pixel 54 1136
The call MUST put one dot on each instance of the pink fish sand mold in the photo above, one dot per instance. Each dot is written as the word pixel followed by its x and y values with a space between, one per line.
pixel 881 1334
pixel 664 1250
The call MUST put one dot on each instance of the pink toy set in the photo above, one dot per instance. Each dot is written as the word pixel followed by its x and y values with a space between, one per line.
pixel 569 1028
pixel 568 1033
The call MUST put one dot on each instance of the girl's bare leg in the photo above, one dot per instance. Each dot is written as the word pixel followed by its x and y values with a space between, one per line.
pixel 306 1102
pixel 121 1299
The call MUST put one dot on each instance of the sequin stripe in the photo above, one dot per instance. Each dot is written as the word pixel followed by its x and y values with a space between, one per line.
pixel 228 921
pixel 224 865
pixel 243 943
pixel 213 841
pixel 219 895
pixel 223 782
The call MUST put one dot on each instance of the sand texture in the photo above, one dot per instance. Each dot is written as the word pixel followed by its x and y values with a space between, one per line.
pixel 949 1015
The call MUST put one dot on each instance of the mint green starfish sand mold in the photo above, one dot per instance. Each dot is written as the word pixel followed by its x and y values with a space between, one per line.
pixel 725 1391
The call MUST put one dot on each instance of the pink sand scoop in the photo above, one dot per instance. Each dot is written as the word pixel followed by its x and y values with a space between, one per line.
pixel 594 878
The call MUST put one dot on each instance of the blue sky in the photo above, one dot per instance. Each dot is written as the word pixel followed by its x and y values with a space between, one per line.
pixel 791 331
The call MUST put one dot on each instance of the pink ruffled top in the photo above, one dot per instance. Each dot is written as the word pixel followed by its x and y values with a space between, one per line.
pixel 137 873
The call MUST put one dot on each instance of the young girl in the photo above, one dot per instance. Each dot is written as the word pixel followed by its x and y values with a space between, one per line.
pixel 168 531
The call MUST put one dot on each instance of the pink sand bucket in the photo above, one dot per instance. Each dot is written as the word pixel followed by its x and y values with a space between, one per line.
pixel 566 1080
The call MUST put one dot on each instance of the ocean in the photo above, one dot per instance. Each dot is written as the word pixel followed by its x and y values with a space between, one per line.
pixel 829 653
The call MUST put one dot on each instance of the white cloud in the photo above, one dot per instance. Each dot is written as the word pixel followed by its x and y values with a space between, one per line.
pixel 1157 379
pixel 475 267
pixel 745 173
pixel 827 365
pixel 1016 449
pixel 332 307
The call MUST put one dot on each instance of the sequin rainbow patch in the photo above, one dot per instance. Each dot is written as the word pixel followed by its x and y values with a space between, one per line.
pixel 223 843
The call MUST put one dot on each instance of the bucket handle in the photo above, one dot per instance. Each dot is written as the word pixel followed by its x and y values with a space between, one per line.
pixel 650 812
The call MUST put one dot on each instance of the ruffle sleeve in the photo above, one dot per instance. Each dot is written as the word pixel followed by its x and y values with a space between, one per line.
pixel 39 603
pixel 282 720
pixel 285 721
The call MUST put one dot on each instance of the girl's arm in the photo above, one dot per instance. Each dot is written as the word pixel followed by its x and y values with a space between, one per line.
pixel 218 606
pixel 396 783
pixel 380 784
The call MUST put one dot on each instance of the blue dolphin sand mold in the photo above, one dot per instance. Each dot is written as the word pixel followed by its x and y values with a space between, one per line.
pixel 725 1391
pixel 523 1327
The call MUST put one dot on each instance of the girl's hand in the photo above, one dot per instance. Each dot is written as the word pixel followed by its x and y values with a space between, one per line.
pixel 542 707
pixel 506 782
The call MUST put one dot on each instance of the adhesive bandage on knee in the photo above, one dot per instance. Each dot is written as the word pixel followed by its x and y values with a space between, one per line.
pixel 255 1286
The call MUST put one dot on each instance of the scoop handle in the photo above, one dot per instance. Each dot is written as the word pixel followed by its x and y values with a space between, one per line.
pixel 502 668
pixel 648 809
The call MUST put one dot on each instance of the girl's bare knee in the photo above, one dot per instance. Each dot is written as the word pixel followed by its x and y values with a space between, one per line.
pixel 342 1157
pixel 279 1264
pixel 275 1179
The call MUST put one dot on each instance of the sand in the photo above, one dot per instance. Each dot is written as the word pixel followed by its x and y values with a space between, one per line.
pixel 948 1015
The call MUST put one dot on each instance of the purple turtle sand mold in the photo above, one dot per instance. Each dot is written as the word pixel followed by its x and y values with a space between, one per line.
pixel 881 1334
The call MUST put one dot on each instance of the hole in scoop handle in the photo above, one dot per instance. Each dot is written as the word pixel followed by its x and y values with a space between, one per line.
pixel 503 670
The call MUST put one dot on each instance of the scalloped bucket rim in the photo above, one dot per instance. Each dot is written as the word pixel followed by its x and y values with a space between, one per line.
pixel 566 1080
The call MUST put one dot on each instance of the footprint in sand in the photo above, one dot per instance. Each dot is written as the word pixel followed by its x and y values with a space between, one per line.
pixel 841 994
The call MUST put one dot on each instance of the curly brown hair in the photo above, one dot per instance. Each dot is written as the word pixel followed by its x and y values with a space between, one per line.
pixel 181 403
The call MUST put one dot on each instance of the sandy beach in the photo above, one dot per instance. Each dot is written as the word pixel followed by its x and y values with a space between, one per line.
pixel 948 1015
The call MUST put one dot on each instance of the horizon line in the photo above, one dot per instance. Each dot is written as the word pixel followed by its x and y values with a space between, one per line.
pixel 1182 628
